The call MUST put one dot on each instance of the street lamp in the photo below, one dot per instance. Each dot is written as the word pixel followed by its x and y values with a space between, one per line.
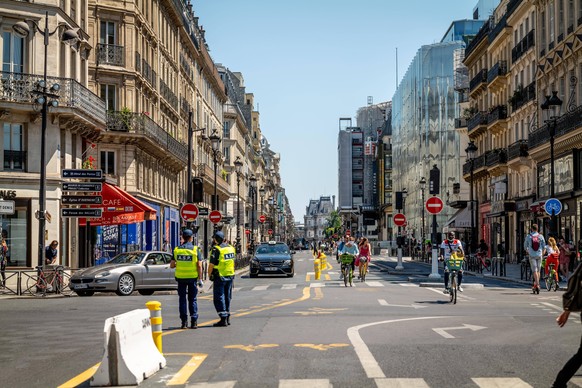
pixel 42 94
pixel 551 108
pixel 471 151
pixel 262 226
pixel 253 195
pixel 215 140
pixel 422 184
pixel 238 164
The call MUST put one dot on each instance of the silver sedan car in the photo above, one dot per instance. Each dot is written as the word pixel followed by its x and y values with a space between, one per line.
pixel 144 272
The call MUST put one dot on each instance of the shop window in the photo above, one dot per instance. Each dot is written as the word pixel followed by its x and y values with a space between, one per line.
pixel 14 231
pixel 108 162
pixel 14 155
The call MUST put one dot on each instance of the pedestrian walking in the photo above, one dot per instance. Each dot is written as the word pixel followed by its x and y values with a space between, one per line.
pixel 221 273
pixel 565 252
pixel 449 246
pixel 186 260
pixel 166 247
pixel 534 244
pixel 3 260
pixel 51 253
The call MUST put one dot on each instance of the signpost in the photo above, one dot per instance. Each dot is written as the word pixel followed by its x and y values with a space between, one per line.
pixel 83 186
pixel 270 231
pixel 399 219
pixel 203 211
pixel 82 199
pixel 262 218
pixel 434 205
pixel 553 206
pixel 81 213
pixel 189 212
pixel 215 216
pixel 82 174
pixel 7 207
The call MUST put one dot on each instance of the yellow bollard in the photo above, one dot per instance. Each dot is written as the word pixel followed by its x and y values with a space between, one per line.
pixel 155 308
pixel 317 268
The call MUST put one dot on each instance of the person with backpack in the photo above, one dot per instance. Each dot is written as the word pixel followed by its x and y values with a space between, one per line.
pixel 534 246
pixel 571 302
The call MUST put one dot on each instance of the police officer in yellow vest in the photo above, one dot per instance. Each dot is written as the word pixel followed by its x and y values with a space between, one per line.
pixel 186 260
pixel 221 272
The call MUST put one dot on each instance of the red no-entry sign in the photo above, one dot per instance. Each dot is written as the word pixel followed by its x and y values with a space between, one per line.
pixel 399 219
pixel 189 212
pixel 434 205
pixel 262 218
pixel 270 231
pixel 215 216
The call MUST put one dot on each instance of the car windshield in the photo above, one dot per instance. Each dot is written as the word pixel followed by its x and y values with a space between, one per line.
pixel 127 258
pixel 270 249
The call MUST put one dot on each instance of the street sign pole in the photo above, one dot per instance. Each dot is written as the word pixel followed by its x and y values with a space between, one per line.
pixel 434 190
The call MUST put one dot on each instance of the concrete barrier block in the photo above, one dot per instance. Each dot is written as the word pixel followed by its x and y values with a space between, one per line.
pixel 130 355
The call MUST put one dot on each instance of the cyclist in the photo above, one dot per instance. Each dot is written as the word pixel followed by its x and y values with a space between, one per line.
pixel 350 248
pixel 448 246
pixel 363 256
pixel 340 247
pixel 553 257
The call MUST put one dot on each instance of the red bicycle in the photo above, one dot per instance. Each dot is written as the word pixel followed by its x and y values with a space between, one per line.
pixel 484 261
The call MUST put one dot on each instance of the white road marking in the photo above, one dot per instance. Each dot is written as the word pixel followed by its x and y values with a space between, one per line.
pixel 408 284
pixel 312 383
pixel 366 357
pixel 500 382
pixel 288 286
pixel 552 306
pixel 316 285
pixel 577 381
pixel 220 384
pixel 261 288
pixel 401 383
pixel 443 330
pixel 374 284
pixel 384 303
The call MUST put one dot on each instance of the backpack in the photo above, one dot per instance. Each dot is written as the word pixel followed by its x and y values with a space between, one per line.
pixel 535 242
pixel 572 298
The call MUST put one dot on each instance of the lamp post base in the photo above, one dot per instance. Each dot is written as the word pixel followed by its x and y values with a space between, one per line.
pixel 435 266
pixel 399 265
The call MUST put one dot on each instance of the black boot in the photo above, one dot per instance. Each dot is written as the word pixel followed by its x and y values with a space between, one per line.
pixel 184 325
pixel 228 320
pixel 193 324
pixel 221 323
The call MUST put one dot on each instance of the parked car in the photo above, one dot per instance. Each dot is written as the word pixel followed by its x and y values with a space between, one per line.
pixel 273 258
pixel 141 271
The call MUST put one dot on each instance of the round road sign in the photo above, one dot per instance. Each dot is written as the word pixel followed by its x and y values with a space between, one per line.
pixel 189 212
pixel 247 231
pixel 215 216
pixel 262 218
pixel 553 205
pixel 434 205
pixel 270 231
pixel 399 219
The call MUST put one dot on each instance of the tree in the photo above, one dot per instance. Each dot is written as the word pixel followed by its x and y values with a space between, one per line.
pixel 334 224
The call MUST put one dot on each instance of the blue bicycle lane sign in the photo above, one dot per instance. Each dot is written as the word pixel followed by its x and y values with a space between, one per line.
pixel 553 204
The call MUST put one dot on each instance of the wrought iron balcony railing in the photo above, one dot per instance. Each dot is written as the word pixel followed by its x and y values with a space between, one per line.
pixel 517 150
pixel 14 160
pixel 482 34
pixel 497 113
pixel 460 123
pixel 523 96
pixel 496 157
pixel 512 6
pixel 480 118
pixel 142 124
pixel 523 46
pixel 480 78
pixel 110 54
pixel 499 69
pixel 17 87
pixel 477 164
pixel 496 30
pixel 565 124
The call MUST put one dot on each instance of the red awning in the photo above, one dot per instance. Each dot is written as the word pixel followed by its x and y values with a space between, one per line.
pixel 120 207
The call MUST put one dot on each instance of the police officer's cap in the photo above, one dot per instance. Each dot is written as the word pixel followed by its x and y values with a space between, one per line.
pixel 219 236
pixel 187 233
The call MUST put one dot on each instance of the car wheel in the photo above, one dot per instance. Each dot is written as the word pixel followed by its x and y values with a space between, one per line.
pixel 253 275
pixel 125 285
pixel 146 292
pixel 85 293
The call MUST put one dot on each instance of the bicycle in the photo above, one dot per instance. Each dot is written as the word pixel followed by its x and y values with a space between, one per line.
pixel 45 281
pixel 454 265
pixel 363 268
pixel 552 279
pixel 484 262
pixel 346 268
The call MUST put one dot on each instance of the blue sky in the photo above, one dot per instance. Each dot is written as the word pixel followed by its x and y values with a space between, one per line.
pixel 308 63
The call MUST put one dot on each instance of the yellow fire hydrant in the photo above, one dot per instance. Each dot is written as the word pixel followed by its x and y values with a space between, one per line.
pixel 155 308
pixel 317 268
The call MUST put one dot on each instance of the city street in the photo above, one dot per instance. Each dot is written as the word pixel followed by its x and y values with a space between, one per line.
pixel 387 332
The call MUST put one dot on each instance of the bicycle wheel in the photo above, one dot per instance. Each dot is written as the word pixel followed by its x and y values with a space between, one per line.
pixel 364 272
pixel 63 284
pixel 345 273
pixel 548 281
pixel 454 289
pixel 351 277
pixel 35 285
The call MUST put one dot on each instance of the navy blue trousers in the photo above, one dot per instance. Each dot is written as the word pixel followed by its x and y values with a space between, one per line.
pixel 187 292
pixel 222 295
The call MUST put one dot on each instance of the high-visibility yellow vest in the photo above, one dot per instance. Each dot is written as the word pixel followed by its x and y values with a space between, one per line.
pixel 225 265
pixel 186 260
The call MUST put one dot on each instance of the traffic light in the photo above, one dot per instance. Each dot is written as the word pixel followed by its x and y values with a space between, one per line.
pixel 399 201
pixel 197 189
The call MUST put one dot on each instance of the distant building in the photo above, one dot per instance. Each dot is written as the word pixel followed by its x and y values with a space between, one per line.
pixel 317 213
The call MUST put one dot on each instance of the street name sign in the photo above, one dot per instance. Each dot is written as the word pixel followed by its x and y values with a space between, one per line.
pixel 80 212
pixel 203 211
pixel 434 205
pixel 83 186
pixel 82 174
pixel 7 207
pixel 82 199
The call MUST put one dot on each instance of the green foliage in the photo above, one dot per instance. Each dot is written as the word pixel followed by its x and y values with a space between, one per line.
pixel 334 224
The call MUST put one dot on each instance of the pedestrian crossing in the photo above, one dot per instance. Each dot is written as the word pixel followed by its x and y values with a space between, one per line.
pixel 321 284
pixel 482 382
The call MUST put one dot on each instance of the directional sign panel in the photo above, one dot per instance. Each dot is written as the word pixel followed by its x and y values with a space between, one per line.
pixel 82 199
pixel 7 207
pixel 203 211
pixel 83 213
pixel 83 186
pixel 82 174
pixel 553 205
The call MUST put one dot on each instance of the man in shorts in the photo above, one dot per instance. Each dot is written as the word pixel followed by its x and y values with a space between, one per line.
pixel 448 246
pixel 534 245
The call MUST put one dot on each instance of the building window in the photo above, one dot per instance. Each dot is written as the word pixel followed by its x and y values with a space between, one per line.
pixel 13 53
pixel 108 162
pixel 107 34
pixel 109 95
pixel 14 155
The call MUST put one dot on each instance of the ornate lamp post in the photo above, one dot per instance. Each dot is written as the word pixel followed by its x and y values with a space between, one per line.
pixel 422 184
pixel 253 195
pixel 238 164
pixel 471 151
pixel 42 94
pixel 215 140
pixel 551 108
pixel 262 226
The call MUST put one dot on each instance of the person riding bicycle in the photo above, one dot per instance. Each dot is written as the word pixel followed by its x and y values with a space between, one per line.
pixel 553 257
pixel 448 246
pixel 364 254
pixel 350 248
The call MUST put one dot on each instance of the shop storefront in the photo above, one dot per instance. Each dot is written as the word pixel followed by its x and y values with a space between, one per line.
pixel 15 229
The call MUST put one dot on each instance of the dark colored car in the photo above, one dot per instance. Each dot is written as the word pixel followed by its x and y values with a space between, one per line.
pixel 144 272
pixel 272 258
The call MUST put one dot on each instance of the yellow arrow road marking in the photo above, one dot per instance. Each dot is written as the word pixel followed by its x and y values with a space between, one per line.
pixel 251 348
pixel 322 347
pixel 318 294
pixel 187 370
pixel 307 277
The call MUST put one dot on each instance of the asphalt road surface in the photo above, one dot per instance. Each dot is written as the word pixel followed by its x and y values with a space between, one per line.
pixel 302 332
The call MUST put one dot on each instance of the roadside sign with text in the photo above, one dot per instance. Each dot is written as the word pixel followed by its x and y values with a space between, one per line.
pixel 83 186
pixel 82 174
pixel 7 207
pixel 203 211
pixel 81 199
pixel 81 213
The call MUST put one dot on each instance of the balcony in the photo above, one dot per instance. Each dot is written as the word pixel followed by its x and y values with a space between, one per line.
pixel 139 129
pixel 110 54
pixel 460 123
pixel 14 160
pixel 518 156
pixel 478 82
pixel 497 119
pixel 496 161
pixel 512 6
pixel 496 75
pixel 478 123
pixel 76 102
pixel 566 124
pixel 523 46
pixel 499 27
pixel 480 37
pixel 206 171
pixel 168 95
pixel 522 96
pixel 478 164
